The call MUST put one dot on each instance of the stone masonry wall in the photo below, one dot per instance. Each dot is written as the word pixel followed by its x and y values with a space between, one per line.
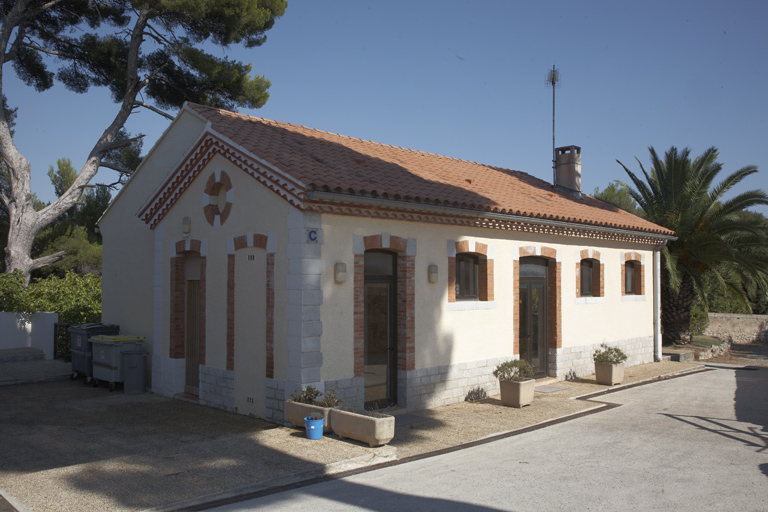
pixel 447 384
pixel 217 388
pixel 574 362
pixel 738 328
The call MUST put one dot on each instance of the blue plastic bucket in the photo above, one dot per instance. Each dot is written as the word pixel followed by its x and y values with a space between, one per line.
pixel 314 427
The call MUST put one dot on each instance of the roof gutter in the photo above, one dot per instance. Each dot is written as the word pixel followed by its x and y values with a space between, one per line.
pixel 316 195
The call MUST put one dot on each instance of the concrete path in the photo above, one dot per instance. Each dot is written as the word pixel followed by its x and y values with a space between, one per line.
pixel 698 442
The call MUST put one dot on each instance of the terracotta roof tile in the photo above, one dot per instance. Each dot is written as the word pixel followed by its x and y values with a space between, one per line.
pixel 338 163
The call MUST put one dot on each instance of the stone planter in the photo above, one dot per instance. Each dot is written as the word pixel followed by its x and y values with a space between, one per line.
pixel 516 393
pixel 295 412
pixel 609 374
pixel 375 431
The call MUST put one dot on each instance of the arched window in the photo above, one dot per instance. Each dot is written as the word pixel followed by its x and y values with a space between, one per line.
pixel 590 278
pixel 467 274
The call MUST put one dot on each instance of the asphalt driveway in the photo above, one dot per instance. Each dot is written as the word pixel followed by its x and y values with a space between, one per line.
pixel 698 442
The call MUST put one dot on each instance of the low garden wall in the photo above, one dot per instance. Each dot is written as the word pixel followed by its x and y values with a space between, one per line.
pixel 738 328
pixel 21 330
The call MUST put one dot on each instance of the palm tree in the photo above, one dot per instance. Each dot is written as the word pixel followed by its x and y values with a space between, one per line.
pixel 714 237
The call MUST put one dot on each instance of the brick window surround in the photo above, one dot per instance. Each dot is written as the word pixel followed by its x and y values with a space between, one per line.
pixel 484 270
pixel 218 183
pixel 242 242
pixel 179 299
pixel 554 312
pixel 598 269
pixel 639 282
pixel 406 301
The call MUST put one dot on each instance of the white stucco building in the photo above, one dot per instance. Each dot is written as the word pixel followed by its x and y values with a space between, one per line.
pixel 257 257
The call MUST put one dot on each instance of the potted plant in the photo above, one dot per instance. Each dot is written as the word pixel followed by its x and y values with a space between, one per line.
pixel 609 365
pixel 370 427
pixel 515 382
pixel 304 402
pixel 314 425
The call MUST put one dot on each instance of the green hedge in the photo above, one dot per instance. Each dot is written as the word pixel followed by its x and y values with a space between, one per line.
pixel 77 299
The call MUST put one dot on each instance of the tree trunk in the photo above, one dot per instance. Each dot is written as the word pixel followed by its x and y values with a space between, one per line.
pixel 676 313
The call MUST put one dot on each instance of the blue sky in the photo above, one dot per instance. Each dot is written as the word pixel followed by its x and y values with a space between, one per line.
pixel 467 79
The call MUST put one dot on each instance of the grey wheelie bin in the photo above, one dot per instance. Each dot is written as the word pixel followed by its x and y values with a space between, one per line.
pixel 80 344
pixel 134 372
pixel 108 357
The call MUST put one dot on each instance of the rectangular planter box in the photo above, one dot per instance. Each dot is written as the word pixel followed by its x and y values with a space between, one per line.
pixel 609 374
pixel 517 393
pixel 361 427
pixel 295 412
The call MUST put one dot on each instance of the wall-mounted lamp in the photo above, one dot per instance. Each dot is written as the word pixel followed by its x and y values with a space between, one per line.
pixel 432 273
pixel 340 272
pixel 186 226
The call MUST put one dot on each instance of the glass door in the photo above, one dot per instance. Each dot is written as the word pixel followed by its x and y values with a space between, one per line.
pixel 380 365
pixel 533 313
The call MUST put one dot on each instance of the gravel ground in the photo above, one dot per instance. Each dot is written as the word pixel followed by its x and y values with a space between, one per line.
pixel 71 448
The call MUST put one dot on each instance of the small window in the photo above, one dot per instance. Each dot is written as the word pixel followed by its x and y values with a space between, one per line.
pixel 587 268
pixel 466 277
pixel 629 278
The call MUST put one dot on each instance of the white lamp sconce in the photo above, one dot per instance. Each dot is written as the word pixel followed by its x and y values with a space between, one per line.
pixel 432 273
pixel 340 272
pixel 186 226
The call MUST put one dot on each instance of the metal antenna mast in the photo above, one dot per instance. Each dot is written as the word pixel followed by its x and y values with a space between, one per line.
pixel 553 77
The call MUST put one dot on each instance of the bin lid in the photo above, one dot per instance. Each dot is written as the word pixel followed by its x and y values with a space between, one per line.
pixel 94 327
pixel 117 338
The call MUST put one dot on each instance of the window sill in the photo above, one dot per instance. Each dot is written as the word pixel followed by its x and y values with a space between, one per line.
pixel 633 298
pixel 590 300
pixel 471 305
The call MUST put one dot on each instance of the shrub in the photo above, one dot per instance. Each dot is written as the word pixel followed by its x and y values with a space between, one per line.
pixel 306 395
pixel 76 299
pixel 329 400
pixel 514 370
pixel 609 355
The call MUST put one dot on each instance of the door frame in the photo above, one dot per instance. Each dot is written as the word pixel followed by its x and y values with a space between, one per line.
pixel 544 304
pixel 392 342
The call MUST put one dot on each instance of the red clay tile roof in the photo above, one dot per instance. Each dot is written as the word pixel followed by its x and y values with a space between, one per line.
pixel 337 163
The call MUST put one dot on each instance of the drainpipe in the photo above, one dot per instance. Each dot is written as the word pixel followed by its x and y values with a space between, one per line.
pixel 657 301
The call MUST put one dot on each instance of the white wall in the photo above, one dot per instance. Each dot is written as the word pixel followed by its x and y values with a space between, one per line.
pixel 18 330
pixel 448 334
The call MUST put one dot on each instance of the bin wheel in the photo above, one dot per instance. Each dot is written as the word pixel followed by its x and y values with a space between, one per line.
pixel 73 376
pixel 95 383
pixel 111 386
pixel 88 380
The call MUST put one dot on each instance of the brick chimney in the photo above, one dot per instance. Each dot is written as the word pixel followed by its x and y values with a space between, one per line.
pixel 568 170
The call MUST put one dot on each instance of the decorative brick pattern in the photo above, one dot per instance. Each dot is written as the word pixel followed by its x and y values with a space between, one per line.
pixel 516 307
pixel 241 242
pixel 598 283
pixel 217 388
pixel 406 311
pixel 359 315
pixel 406 308
pixel 179 298
pixel 554 306
pixel 230 311
pixel 485 274
pixel 198 159
pixel 639 275
pixel 575 362
pixel 270 341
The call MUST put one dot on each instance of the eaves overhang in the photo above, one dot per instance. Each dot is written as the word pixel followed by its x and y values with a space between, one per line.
pixel 377 207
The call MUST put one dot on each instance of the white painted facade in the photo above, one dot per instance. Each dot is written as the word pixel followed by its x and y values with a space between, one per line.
pixel 456 345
